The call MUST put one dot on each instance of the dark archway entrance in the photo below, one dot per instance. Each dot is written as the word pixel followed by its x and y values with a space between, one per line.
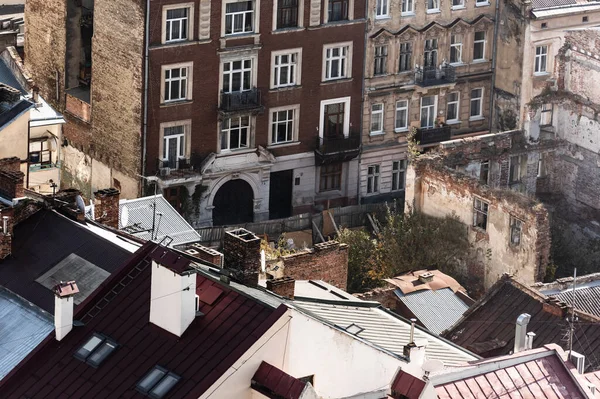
pixel 233 203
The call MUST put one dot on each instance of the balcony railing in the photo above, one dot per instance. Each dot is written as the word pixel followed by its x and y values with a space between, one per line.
pixel 432 76
pixel 433 135
pixel 241 100
pixel 337 149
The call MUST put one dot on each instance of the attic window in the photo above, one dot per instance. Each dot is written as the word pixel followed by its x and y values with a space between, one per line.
pixel 96 350
pixel 158 382
pixel 584 19
pixel 354 329
pixel 544 25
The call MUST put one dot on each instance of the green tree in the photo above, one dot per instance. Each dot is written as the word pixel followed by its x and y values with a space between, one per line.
pixel 363 269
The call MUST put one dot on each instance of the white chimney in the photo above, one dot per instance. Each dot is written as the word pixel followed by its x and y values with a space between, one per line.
pixel 578 361
pixel 172 299
pixel 63 308
pixel 529 340
pixel 521 333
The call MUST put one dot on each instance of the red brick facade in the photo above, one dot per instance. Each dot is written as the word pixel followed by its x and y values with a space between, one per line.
pixel 326 261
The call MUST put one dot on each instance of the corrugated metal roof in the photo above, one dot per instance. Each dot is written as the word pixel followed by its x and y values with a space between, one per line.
pixel 551 3
pixel 563 10
pixel 586 299
pixel 385 331
pixel 8 78
pixel 136 218
pixel 437 310
pixel 23 327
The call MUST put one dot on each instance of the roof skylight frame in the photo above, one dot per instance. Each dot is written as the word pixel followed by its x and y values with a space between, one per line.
pixel 96 350
pixel 354 329
pixel 157 382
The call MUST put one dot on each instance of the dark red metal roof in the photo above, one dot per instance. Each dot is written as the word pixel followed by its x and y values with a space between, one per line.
pixel 406 385
pixel 274 383
pixel 210 345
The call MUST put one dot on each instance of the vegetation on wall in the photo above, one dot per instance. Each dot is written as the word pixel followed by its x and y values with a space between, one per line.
pixel 572 249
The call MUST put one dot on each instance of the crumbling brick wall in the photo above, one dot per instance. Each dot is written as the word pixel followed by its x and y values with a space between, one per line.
pixel 326 261
pixel 383 295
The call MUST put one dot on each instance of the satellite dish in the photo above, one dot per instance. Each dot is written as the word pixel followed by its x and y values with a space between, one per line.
pixel 124 216
pixel 431 366
pixel 80 203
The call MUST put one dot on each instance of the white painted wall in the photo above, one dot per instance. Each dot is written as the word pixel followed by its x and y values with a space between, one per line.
pixel 63 316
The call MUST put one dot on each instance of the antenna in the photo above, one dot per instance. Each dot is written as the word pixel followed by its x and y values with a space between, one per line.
pixel 572 321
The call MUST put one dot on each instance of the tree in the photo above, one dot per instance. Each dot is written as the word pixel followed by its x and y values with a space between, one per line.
pixel 363 269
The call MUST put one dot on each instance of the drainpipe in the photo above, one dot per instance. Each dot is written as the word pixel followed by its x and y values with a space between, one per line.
pixel 494 50
pixel 146 68
pixel 362 97
pixel 28 139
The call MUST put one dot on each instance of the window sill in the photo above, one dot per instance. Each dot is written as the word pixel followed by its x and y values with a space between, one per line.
pixel 436 11
pixel 376 134
pixel 383 18
pixel 479 61
pixel 457 64
pixel 408 14
pixel 541 74
pixel 476 118
pixel 239 35
pixel 334 81
pixel 335 24
pixel 403 130
pixel 225 153
pixel 454 122
pixel 175 103
pixel 288 30
pixel 455 8
pixel 284 88
pixel 282 145
pixel 482 4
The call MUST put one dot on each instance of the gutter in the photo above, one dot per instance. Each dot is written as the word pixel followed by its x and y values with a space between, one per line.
pixel 494 57
pixel 146 68
pixel 362 98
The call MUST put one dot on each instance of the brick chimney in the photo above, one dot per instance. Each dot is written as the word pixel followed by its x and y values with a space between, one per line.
pixel 283 286
pixel 11 178
pixel 63 308
pixel 203 253
pixel 242 255
pixel 106 207
pixel 6 238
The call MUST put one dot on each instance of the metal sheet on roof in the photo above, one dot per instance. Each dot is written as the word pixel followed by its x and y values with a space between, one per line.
pixel 551 3
pixel 386 331
pixel 23 327
pixel 136 218
pixel 569 9
pixel 8 78
pixel 587 299
pixel 437 310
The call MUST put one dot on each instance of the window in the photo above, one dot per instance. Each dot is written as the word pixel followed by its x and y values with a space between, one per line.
pixel 408 7
pixel 433 5
pixel 455 49
pixel 235 133
pixel 239 17
pixel 584 19
pixel 546 115
pixel 479 46
pixel 287 14
pixel 518 168
pixel 177 24
pixel 401 116
pixel 380 67
pixel 476 103
pixel 453 107
pixel 484 172
pixel 405 57
pixel 96 350
pixel 516 227
pixel 354 329
pixel 158 382
pixel 430 53
pixel 373 179
pixel 286 68
pixel 331 177
pixel 428 111
pixel 376 118
pixel 173 145
pixel 458 4
pixel 283 125
pixel 237 76
pixel 39 153
pixel 544 25
pixel 382 9
pixel 480 213
pixel 541 59
pixel 337 60
pixel 338 10
pixel 176 81
pixel 398 175
pixel 335 120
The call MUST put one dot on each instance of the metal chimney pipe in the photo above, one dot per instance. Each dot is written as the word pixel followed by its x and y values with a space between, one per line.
pixel 521 333
pixel 412 330
pixel 529 339
pixel 5 224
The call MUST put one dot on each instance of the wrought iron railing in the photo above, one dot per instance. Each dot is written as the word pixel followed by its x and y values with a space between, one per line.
pixel 433 135
pixel 432 76
pixel 241 100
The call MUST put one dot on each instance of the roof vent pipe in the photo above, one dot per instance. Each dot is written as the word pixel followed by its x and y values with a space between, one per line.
pixel 529 340
pixel 521 333
pixel 412 330
pixel 5 224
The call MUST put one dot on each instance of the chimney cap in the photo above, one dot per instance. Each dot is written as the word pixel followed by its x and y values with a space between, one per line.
pixel 66 289
pixel 107 192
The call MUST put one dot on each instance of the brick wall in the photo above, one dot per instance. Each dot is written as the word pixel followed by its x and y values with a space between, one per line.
pixel 383 295
pixel 10 164
pixel 242 255
pixel 284 286
pixel 326 261
pixel 203 253
pixel 106 209
pixel 11 184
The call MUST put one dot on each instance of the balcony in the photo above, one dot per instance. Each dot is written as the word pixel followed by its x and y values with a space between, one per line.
pixel 434 135
pixel 241 101
pixel 177 168
pixel 432 76
pixel 337 149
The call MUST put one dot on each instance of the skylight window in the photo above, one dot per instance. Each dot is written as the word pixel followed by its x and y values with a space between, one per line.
pixel 354 329
pixel 158 382
pixel 96 350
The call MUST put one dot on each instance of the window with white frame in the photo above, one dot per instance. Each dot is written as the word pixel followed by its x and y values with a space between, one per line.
pixel 235 133
pixel 408 7
pixel 286 68
pixel 177 83
pixel 476 103
pixel 430 53
pixel 382 9
pixel 480 213
pixel 177 24
pixel 398 175
pixel 479 46
pixel 239 17
pixel 173 145
pixel 453 105
pixel 337 61
pixel 39 153
pixel 482 2
pixel 284 125
pixel 428 105
pixel 456 47
pixel 401 122
pixel 541 59
pixel 337 10
pixel 516 229
pixel 380 60
pixel 433 5
pixel 405 57
pixel 373 179
pixel 237 75
pixel 458 4
pixel 335 118
pixel 376 118
pixel 287 14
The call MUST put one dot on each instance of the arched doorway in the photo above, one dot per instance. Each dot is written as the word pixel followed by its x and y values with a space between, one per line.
pixel 233 203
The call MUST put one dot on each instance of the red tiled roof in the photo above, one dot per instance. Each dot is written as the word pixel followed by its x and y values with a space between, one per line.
pixel 210 345
pixel 594 379
pixel 406 385
pixel 274 383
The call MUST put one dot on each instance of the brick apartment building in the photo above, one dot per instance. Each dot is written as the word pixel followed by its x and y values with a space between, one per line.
pixel 429 66
pixel 243 110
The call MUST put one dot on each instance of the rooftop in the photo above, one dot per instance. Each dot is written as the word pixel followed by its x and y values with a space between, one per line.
pixel 587 292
